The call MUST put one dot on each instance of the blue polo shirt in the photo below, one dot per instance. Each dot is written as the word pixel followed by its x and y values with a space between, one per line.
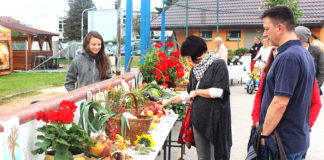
pixel 292 75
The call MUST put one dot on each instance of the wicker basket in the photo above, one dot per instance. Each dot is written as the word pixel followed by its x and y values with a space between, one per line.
pixel 136 126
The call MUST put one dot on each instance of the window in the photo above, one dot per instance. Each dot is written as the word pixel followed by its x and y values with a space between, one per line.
pixel 61 26
pixel 233 36
pixel 207 35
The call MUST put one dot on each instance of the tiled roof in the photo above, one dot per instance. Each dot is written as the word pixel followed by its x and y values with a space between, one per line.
pixel 22 28
pixel 232 14
pixel 8 19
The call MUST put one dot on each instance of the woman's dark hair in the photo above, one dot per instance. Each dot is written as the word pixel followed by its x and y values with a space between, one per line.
pixel 194 47
pixel 102 60
pixel 269 61
pixel 281 14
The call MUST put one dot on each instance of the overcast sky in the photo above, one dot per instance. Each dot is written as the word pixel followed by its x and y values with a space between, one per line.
pixel 27 11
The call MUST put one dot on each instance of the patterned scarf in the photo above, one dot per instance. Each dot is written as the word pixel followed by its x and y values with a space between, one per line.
pixel 200 68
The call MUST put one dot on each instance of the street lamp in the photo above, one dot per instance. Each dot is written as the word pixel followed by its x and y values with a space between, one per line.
pixel 87 9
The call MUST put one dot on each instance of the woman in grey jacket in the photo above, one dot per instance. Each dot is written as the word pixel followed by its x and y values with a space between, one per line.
pixel 91 66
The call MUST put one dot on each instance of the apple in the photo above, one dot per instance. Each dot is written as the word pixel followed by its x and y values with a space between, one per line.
pixel 160 112
pixel 156 118
pixel 159 108
pixel 150 113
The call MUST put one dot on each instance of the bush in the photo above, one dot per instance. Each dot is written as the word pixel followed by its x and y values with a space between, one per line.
pixel 240 52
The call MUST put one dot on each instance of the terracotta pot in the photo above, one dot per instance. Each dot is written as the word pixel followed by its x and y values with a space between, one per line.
pixel 75 157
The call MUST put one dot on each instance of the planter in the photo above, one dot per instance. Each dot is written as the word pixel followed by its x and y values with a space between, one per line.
pixel 75 157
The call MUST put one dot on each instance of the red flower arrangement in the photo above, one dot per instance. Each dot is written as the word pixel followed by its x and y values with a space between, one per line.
pixel 168 67
pixel 61 137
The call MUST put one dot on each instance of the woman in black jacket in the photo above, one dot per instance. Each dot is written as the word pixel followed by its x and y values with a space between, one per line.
pixel 208 89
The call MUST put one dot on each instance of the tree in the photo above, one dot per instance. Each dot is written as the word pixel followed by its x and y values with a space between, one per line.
pixel 289 3
pixel 72 27
pixel 168 3
pixel 137 24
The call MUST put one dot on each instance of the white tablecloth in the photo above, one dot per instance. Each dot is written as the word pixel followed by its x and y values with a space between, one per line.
pixel 159 134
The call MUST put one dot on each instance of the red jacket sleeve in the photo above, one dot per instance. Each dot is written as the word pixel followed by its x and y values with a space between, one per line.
pixel 315 105
pixel 257 101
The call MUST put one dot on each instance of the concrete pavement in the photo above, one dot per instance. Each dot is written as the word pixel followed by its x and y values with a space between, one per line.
pixel 241 107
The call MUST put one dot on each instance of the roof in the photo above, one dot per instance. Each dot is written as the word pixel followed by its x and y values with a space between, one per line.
pixel 8 19
pixel 22 28
pixel 232 14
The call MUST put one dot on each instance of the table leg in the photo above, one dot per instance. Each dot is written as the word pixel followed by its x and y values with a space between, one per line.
pixel 169 155
pixel 164 150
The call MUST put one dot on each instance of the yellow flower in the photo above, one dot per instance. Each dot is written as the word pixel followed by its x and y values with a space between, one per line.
pixel 121 142
pixel 145 139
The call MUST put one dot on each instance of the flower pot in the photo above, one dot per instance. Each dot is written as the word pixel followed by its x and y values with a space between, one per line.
pixel 75 157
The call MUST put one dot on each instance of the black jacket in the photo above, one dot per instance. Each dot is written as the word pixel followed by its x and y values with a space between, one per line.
pixel 212 116
pixel 254 50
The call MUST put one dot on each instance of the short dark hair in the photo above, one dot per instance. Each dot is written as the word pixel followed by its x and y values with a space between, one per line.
pixel 281 14
pixel 194 47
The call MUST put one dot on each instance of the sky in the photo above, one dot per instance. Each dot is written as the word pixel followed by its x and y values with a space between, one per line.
pixel 29 11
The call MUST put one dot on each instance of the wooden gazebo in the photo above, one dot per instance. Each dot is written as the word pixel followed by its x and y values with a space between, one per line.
pixel 20 58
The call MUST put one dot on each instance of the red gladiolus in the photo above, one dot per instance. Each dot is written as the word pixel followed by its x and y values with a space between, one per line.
pixel 176 53
pixel 162 66
pixel 169 44
pixel 157 46
pixel 171 62
pixel 162 55
pixel 164 85
pixel 167 77
pixel 158 75
pixel 180 74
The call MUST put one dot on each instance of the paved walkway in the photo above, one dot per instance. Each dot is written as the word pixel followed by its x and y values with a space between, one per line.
pixel 241 107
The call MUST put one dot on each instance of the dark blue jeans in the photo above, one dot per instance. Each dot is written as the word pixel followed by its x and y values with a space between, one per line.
pixel 263 153
pixel 295 156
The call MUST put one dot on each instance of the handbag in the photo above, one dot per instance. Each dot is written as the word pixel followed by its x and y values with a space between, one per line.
pixel 186 131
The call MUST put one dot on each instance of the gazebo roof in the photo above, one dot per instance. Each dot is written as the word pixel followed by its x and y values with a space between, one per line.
pixel 25 29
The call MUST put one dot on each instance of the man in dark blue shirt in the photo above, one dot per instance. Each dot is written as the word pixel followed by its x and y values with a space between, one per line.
pixel 289 84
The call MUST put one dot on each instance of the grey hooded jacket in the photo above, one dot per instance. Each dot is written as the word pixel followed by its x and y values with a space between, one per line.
pixel 84 71
pixel 318 56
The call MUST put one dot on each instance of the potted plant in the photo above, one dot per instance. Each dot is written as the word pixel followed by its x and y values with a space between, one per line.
pixel 61 137
pixel 170 65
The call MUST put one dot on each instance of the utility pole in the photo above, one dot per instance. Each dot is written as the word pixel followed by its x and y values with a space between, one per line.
pixel 118 65
pixel 217 18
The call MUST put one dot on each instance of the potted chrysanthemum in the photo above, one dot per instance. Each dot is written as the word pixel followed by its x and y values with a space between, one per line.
pixel 61 137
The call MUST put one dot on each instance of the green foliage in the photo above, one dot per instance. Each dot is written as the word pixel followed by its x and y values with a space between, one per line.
pixel 93 116
pixel 230 59
pixel 72 27
pixel 293 4
pixel 178 108
pixel 230 52
pixel 150 60
pixel 62 140
pixel 168 3
pixel 20 82
pixel 240 52
pixel 137 24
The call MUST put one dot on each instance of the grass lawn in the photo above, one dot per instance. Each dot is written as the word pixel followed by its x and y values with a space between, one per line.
pixel 135 63
pixel 19 82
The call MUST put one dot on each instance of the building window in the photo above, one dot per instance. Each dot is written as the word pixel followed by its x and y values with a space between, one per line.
pixel 233 36
pixel 61 26
pixel 206 35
